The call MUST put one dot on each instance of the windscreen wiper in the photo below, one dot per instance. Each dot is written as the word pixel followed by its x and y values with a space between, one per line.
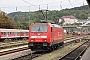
pixel 38 29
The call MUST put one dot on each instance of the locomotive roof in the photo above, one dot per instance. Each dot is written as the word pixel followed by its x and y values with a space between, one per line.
pixel 55 25
pixel 13 30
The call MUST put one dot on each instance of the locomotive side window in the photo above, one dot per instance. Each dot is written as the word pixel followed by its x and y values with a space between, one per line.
pixel 51 29
pixel 39 28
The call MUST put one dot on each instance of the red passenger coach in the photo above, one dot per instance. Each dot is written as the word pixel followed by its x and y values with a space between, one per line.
pixel 45 36
pixel 13 34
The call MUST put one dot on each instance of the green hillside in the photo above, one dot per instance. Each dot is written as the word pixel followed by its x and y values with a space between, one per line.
pixel 52 16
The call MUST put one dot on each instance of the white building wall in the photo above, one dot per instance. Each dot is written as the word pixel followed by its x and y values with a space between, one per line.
pixel 69 21
pixel 60 20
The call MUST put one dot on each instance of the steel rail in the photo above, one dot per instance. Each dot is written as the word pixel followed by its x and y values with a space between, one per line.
pixel 21 49
pixel 13 51
pixel 33 55
pixel 76 53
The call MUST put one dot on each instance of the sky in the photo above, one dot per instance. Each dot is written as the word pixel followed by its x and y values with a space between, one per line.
pixel 9 6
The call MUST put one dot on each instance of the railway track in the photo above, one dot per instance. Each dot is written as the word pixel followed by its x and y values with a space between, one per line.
pixel 30 56
pixel 5 47
pixel 76 53
pixel 26 57
pixel 69 38
pixel 13 51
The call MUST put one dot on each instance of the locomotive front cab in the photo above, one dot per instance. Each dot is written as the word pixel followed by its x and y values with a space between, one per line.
pixel 38 36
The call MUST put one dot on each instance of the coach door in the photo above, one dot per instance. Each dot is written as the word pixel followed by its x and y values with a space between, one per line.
pixel 6 34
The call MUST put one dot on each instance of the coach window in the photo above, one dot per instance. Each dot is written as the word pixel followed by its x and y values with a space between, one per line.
pixel 22 32
pixel 4 33
pixel 18 33
pixel 25 32
pixel 10 32
pixel 1 32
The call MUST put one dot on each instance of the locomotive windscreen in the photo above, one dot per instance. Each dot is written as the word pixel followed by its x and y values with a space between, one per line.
pixel 39 28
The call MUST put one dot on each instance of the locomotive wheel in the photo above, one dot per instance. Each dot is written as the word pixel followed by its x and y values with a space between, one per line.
pixel 49 50
pixel 53 48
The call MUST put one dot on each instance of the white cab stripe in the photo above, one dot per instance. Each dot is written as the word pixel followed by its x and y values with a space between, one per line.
pixel 43 36
pixel 33 36
pixel 38 36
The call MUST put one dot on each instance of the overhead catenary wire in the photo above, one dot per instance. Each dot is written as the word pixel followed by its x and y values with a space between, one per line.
pixel 60 4
pixel 41 4
pixel 47 6
pixel 70 3
pixel 16 8
pixel 77 1
pixel 3 8
pixel 30 3
pixel 52 2
pixel 83 3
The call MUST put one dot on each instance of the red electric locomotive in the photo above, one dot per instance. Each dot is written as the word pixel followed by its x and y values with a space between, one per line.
pixel 45 36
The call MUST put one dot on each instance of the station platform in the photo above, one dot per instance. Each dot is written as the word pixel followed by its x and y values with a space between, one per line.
pixel 86 55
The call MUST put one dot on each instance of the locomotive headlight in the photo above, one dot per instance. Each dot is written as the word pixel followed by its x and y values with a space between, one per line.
pixel 32 40
pixel 38 34
pixel 44 44
pixel 30 44
pixel 45 40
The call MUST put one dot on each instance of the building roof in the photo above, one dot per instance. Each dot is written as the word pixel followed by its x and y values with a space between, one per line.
pixel 71 17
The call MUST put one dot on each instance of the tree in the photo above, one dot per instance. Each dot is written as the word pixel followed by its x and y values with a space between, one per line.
pixel 6 22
